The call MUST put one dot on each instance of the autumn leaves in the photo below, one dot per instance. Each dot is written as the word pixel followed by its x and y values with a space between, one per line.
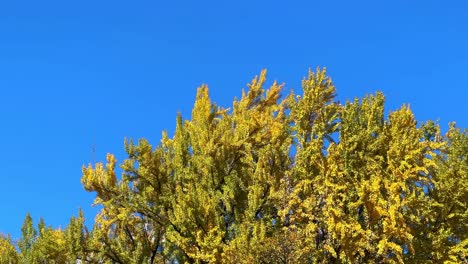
pixel 283 179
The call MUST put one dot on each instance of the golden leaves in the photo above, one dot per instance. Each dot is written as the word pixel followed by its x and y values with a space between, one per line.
pixel 291 179
pixel 101 180
pixel 295 178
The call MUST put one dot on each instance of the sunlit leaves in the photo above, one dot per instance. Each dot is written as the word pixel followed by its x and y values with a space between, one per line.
pixel 288 178
pixel 275 178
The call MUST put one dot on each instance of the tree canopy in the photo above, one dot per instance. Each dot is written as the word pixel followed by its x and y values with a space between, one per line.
pixel 275 178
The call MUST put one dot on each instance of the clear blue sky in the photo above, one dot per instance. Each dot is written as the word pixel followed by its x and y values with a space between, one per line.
pixel 74 74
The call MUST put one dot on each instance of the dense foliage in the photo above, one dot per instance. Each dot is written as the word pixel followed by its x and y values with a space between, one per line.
pixel 274 179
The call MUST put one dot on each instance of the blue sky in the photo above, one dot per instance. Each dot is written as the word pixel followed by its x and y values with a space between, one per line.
pixel 74 74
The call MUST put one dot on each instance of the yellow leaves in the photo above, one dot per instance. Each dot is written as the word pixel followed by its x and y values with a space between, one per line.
pixel 302 179
pixel 209 249
pixel 458 253
pixel 99 179
pixel 314 113
pixel 330 250
pixel 51 245
pixel 202 109
pixel 8 252
pixel 253 96
pixel 385 247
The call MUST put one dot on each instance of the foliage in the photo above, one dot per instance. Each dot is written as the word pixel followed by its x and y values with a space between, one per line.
pixel 8 253
pixel 274 179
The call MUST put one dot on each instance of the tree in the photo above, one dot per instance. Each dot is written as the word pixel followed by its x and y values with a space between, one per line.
pixel 50 245
pixel 442 233
pixel 290 179
pixel 28 239
pixel 77 237
pixel 276 179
